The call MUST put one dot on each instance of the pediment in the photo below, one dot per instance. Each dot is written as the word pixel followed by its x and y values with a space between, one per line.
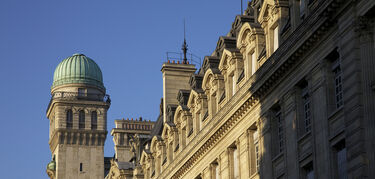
pixel 265 10
pixel 211 62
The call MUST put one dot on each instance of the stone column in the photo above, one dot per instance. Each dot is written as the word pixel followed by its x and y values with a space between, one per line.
pixel 319 122
pixel 365 30
pixel 224 164
pixel 243 151
pixel 265 146
pixel 352 95
pixel 291 129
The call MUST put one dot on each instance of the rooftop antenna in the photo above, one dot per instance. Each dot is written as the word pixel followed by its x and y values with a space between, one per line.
pixel 184 47
pixel 241 7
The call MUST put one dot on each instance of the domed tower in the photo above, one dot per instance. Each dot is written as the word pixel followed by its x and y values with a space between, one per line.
pixel 78 119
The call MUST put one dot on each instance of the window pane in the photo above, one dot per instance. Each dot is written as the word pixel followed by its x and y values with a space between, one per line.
pixel 233 85
pixel 69 119
pixel 254 63
pixel 341 163
pixel 275 38
pixel 94 120
pixel 81 119
pixel 217 172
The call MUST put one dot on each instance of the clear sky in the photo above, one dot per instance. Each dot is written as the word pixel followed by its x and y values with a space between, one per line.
pixel 128 39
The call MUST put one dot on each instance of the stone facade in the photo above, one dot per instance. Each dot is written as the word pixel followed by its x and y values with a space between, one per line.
pixel 288 93
pixel 129 138
pixel 76 141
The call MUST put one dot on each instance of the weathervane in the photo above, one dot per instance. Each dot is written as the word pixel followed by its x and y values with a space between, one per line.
pixel 184 47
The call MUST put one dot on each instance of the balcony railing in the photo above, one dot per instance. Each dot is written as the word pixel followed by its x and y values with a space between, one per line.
pixel 79 96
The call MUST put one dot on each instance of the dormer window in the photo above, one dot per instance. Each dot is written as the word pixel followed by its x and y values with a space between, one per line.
pixel 233 85
pixel 275 38
pixel 253 63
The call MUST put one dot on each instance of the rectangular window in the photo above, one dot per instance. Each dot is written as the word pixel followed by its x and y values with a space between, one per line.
pixel 235 164
pixel 309 171
pixel 257 152
pixel 275 38
pixel 341 161
pixel 306 109
pixel 280 130
pixel 253 63
pixel 217 171
pixel 80 167
pixel 336 69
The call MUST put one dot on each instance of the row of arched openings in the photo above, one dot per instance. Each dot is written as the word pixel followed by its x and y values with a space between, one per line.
pixel 81 119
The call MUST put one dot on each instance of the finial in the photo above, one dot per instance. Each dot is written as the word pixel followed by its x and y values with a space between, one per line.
pixel 184 47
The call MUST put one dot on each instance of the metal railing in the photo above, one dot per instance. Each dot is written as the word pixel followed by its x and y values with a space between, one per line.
pixel 179 57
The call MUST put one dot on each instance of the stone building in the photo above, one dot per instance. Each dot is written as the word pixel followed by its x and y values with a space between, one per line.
pixel 289 92
pixel 78 126
pixel 78 119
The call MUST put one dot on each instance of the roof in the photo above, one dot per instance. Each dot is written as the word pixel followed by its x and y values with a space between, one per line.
pixel 78 69
pixel 125 165
pixel 158 127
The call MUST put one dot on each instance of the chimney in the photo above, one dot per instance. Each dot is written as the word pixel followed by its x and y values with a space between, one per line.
pixel 175 77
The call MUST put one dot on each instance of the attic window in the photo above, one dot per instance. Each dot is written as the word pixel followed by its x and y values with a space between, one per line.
pixel 164 161
pixel 242 75
pixel 276 38
pixel 190 132
pixel 222 97
pixel 206 115
pixel 177 147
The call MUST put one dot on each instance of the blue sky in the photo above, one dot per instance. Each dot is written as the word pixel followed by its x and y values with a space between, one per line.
pixel 127 38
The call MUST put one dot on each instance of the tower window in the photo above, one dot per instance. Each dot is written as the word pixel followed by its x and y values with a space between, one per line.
pixel 69 119
pixel 94 120
pixel 80 167
pixel 81 119
pixel 81 91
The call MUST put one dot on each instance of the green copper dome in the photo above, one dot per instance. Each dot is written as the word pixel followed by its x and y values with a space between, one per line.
pixel 78 69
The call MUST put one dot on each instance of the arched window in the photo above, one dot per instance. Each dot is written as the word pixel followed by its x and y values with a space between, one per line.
pixel 69 119
pixel 94 120
pixel 81 119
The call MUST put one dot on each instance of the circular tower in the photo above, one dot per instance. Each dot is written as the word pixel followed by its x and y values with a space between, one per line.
pixel 78 119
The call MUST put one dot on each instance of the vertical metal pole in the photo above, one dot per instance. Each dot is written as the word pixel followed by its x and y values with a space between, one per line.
pixel 241 7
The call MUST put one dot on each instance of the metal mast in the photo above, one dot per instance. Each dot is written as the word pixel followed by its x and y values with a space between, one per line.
pixel 184 47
